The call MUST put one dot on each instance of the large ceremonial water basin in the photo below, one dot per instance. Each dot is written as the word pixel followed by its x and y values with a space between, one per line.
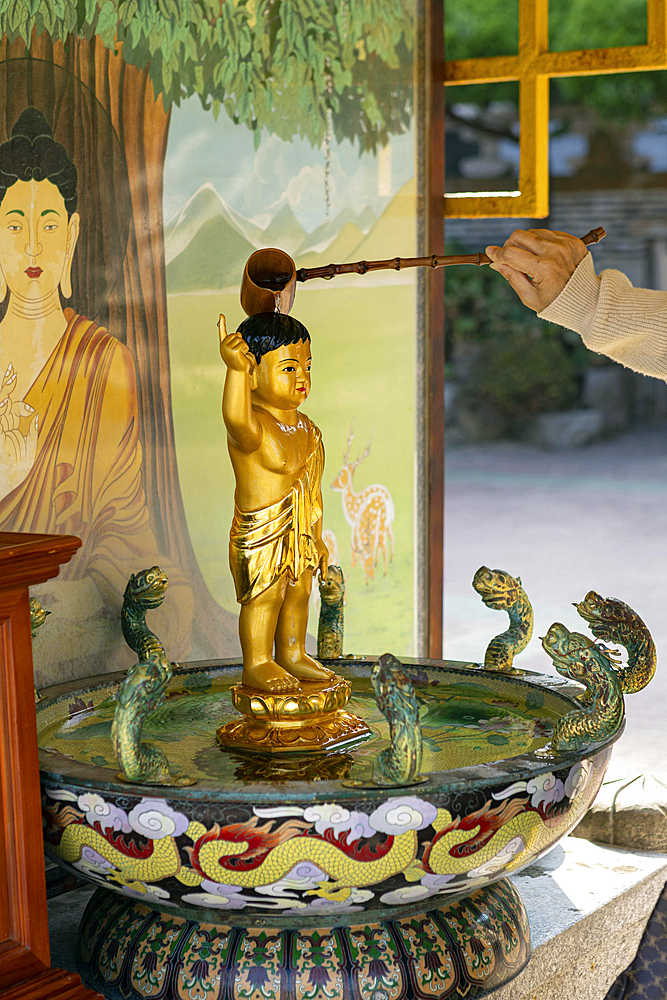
pixel 294 839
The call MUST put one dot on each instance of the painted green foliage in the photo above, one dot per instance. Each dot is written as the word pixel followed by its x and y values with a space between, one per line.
pixel 278 63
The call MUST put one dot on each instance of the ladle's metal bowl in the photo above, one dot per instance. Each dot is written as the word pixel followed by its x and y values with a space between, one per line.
pixel 303 838
pixel 269 282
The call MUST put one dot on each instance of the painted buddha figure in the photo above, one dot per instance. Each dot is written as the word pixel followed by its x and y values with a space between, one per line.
pixel 70 455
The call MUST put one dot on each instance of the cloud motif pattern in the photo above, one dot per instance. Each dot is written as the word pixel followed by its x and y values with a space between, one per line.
pixel 93 866
pixel 397 816
pixel 320 858
pixel 309 878
pixel 97 810
pixel 352 904
pixel 578 779
pixel 545 789
pixel 216 900
pixel 62 794
pixel 154 819
pixel 330 816
pixel 500 860
pixel 148 893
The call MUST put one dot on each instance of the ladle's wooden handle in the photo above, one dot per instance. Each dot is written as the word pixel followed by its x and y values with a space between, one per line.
pixel 398 263
pixel 594 236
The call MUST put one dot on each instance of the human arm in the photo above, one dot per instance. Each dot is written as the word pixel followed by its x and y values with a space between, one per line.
pixel 243 427
pixel 626 324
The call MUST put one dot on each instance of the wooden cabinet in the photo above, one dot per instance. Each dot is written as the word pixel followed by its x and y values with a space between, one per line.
pixel 25 972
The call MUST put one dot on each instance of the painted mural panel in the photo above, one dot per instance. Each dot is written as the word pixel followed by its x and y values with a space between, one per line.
pixel 72 458
pixel 145 151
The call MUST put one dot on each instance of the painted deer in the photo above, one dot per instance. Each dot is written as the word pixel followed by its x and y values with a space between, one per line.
pixel 370 514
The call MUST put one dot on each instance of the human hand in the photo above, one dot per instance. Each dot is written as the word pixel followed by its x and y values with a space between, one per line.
pixel 538 263
pixel 233 350
pixel 322 558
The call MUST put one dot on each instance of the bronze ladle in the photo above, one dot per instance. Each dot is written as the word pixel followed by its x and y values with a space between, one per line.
pixel 270 275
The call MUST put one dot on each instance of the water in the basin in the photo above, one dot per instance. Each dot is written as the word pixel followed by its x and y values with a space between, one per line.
pixel 465 721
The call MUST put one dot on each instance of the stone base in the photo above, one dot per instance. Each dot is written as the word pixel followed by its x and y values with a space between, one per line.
pixel 566 429
pixel 130 951
pixel 310 720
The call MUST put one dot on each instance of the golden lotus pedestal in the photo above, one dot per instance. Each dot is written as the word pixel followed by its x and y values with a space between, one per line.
pixel 311 720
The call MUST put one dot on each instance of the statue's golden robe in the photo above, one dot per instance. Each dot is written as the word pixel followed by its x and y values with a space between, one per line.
pixel 278 540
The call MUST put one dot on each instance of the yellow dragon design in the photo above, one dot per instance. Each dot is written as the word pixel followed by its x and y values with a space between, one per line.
pixel 287 847
pixel 284 848
pixel 163 861
pixel 528 826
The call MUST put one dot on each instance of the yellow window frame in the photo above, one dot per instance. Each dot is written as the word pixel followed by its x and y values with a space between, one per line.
pixel 533 66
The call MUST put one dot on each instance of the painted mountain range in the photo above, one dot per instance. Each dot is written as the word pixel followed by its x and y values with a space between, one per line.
pixel 207 243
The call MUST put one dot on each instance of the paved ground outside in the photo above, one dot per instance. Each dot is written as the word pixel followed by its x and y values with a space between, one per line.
pixel 593 518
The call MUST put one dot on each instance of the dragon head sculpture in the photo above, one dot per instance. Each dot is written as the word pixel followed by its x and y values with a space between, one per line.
pixel 497 588
pixel 147 587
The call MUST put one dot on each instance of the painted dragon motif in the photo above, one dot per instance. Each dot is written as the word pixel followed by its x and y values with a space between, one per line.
pixel 399 763
pixel 579 658
pixel 143 689
pixel 503 592
pixel 332 623
pixel 160 859
pixel 249 855
pixel 324 849
pixel 400 847
pixel 614 621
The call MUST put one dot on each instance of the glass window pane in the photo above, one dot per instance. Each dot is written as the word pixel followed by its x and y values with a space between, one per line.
pixel 481 29
pixel 608 167
pixel 482 138
pixel 589 24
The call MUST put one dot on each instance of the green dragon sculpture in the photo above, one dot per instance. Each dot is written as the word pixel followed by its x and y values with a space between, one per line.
pixel 143 689
pixel 503 592
pixel 331 624
pixel 399 763
pixel 37 619
pixel 614 621
pixel 595 665
pixel 579 658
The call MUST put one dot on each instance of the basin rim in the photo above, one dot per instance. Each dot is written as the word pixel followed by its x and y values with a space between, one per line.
pixel 57 769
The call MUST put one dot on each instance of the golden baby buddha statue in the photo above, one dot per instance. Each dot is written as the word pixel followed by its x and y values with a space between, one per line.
pixel 276 544
pixel 291 702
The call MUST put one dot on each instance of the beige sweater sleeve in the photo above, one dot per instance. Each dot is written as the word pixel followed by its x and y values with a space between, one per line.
pixel 625 323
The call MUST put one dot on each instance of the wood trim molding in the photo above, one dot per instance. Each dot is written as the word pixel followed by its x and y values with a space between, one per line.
pixel 52 985
pixel 24 929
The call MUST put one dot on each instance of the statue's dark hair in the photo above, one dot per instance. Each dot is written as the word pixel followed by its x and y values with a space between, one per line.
pixel 32 154
pixel 268 331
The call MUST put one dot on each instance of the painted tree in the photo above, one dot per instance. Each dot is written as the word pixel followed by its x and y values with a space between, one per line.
pixel 106 74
